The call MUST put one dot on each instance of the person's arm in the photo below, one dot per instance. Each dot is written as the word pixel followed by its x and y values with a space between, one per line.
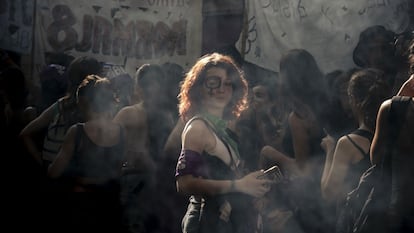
pixel 58 166
pixel 328 145
pixel 173 144
pixel 407 89
pixel 379 142
pixel 270 155
pixel 197 137
pixel 39 123
pixel 333 184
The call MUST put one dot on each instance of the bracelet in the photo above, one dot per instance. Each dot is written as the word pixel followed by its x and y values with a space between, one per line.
pixel 232 185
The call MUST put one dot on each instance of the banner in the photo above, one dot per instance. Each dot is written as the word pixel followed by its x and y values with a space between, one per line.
pixel 16 25
pixel 123 33
pixel 328 29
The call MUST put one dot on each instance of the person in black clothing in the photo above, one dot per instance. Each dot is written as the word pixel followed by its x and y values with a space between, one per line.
pixel 90 160
pixel 346 161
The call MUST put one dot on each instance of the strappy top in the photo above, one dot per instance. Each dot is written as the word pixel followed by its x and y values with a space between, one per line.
pixel 356 169
pixel 94 161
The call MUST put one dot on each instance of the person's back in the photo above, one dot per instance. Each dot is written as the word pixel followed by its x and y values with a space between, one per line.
pixel 402 160
pixel 403 174
pixel 401 149
pixel 348 158
pixel 59 116
pixel 139 170
pixel 306 89
pixel 90 160
pixel 134 118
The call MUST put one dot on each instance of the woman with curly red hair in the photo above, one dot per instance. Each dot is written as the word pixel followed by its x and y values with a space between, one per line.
pixel 209 168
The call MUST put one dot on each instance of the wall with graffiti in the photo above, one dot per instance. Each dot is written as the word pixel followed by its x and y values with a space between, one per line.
pixel 328 29
pixel 122 33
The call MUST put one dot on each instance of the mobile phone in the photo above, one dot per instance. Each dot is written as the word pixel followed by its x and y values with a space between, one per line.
pixel 272 173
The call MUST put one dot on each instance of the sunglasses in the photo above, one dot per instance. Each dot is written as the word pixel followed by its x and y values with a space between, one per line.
pixel 214 82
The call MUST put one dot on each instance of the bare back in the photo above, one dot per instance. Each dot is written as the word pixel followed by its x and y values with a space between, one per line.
pixel 134 120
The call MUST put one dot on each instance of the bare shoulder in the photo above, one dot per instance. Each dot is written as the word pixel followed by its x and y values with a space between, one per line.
pixel 347 151
pixel 131 115
pixel 197 136
pixel 344 144
pixel 386 104
pixel 296 122
pixel 196 127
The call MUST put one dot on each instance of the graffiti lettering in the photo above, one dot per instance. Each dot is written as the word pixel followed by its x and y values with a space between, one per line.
pixel 325 13
pixel 301 10
pixel 251 34
pixel 102 34
pixel 172 3
pixel 287 8
pixel 373 4
pixel 63 20
pixel 122 42
pixel 86 43
pixel 141 39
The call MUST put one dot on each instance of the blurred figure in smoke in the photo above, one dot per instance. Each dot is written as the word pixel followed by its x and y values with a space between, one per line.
pixel 91 159
pixel 53 79
pixel 401 207
pixel 59 116
pixel 253 122
pixel 147 127
pixel 376 49
pixel 304 85
pixel 124 87
pixel 174 75
pixel 341 119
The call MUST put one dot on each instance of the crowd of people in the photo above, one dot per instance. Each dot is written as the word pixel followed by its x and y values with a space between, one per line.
pixel 172 150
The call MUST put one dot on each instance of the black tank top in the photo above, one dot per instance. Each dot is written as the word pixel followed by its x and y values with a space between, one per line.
pixel 356 169
pixel 94 161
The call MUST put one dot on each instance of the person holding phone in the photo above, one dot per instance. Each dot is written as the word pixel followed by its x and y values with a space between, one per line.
pixel 209 168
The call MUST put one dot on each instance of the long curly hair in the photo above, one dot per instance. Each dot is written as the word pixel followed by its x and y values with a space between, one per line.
pixel 190 94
